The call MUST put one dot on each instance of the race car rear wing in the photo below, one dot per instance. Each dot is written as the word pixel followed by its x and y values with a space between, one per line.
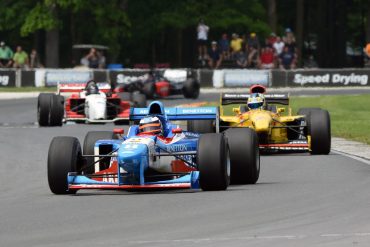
pixel 79 87
pixel 231 98
pixel 179 113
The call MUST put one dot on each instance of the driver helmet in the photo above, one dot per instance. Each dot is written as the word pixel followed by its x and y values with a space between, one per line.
pixel 256 101
pixel 92 88
pixel 150 125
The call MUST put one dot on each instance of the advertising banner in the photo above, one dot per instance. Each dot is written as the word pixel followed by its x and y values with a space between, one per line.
pixel 7 78
pixel 53 77
pixel 330 77
pixel 245 77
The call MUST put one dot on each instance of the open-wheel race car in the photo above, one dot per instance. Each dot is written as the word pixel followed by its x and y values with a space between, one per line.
pixel 155 154
pixel 89 102
pixel 161 84
pixel 308 130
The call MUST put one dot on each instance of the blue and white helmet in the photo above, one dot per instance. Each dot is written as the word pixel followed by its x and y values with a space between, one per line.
pixel 256 101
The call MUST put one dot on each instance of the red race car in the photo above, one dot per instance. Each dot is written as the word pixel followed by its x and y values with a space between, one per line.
pixel 160 84
pixel 89 102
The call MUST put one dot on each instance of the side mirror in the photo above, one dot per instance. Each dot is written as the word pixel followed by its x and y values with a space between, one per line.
pixel 118 131
pixel 236 110
pixel 177 131
pixel 280 110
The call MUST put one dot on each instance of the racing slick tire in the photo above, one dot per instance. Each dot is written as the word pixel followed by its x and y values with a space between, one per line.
pixel 306 111
pixel 191 89
pixel 213 162
pixel 244 155
pixel 64 156
pixel 149 90
pixel 56 110
pixel 89 145
pixel 201 126
pixel 125 96
pixel 319 130
pixel 139 100
pixel 43 108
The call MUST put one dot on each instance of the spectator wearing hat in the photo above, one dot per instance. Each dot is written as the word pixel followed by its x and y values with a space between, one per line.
pixel 289 36
pixel 271 39
pixel 20 58
pixel 214 56
pixel 202 38
pixel 6 55
pixel 253 41
pixel 236 44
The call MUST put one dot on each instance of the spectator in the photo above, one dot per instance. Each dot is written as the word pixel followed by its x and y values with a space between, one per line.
pixel 224 45
pixel 214 56
pixel 253 41
pixel 367 54
pixel 241 59
pixel 253 57
pixel 287 59
pixel 236 44
pixel 267 58
pixel 271 39
pixel 6 55
pixel 20 58
pixel 289 36
pixel 202 37
pixel 102 60
pixel 35 60
pixel 91 60
pixel 278 46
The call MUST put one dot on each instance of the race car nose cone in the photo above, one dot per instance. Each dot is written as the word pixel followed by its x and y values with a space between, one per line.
pixel 261 122
pixel 131 155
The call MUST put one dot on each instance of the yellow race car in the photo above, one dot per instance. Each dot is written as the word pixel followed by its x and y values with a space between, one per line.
pixel 272 119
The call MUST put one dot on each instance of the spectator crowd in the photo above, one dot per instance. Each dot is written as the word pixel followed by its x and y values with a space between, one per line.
pixel 19 58
pixel 247 51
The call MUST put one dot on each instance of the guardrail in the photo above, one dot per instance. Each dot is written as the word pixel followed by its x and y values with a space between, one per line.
pixel 207 77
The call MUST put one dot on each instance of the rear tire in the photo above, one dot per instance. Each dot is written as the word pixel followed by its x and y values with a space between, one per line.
pixel 244 155
pixel 139 100
pixel 191 89
pixel 213 162
pixel 149 90
pixel 89 144
pixel 56 110
pixel 201 126
pixel 319 129
pixel 43 108
pixel 64 156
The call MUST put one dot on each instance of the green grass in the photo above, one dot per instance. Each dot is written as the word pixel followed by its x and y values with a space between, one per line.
pixel 27 89
pixel 350 114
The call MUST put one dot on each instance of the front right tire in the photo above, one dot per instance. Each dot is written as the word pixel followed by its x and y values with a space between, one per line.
pixel 213 162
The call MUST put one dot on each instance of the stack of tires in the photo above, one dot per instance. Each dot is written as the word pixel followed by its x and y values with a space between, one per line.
pixel 50 109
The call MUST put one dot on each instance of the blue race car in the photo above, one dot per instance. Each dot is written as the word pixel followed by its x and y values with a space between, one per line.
pixel 155 154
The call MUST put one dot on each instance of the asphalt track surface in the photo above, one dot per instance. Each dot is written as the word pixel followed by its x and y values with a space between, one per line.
pixel 299 200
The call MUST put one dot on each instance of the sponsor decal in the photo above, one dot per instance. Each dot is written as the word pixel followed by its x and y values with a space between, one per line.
pixel 334 78
pixel 53 77
pixel 4 80
pixel 177 148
